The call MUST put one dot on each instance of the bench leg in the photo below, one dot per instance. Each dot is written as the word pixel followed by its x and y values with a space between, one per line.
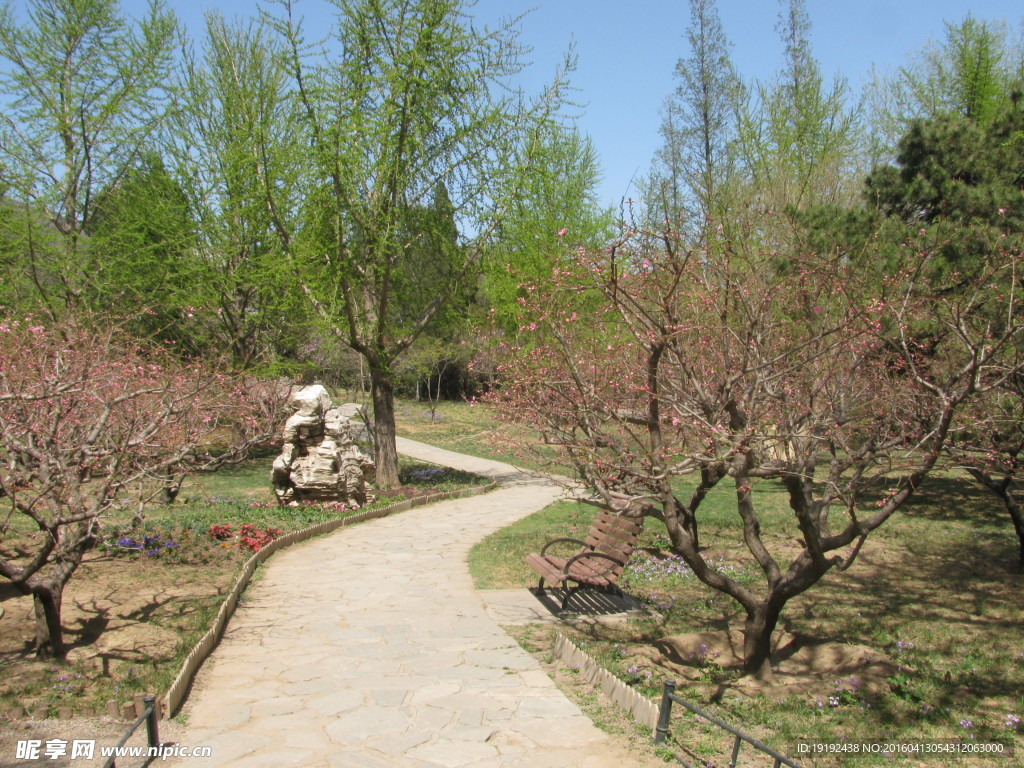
pixel 569 592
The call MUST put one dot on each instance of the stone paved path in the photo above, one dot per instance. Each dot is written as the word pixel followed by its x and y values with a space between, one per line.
pixel 369 647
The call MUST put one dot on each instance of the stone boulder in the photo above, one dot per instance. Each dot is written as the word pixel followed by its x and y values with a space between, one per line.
pixel 319 459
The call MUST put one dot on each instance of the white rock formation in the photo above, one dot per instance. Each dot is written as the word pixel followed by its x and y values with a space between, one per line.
pixel 319 459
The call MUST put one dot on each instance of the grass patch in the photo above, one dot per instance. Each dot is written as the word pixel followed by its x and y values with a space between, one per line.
pixel 468 428
pixel 496 562
pixel 457 426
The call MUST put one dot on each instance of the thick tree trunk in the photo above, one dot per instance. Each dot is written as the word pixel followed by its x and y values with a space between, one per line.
pixel 49 632
pixel 757 638
pixel 384 429
pixel 48 592
pixel 171 489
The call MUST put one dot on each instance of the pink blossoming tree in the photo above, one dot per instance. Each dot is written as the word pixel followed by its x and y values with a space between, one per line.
pixel 661 373
pixel 92 424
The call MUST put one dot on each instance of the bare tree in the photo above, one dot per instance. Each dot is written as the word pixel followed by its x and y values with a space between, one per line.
pixel 690 370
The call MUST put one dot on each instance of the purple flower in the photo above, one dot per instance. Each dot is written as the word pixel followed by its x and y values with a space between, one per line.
pixel 903 645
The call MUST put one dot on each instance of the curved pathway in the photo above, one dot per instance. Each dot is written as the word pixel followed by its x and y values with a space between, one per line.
pixel 370 647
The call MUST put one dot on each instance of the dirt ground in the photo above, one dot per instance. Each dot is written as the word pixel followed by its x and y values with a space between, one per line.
pixel 799 666
pixel 119 617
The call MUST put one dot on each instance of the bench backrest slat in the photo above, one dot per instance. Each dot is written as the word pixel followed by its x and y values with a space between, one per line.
pixel 614 535
pixel 618 549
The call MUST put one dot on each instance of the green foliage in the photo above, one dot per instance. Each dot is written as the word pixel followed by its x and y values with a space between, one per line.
pixel 141 254
pixel 957 169
pixel 554 211
pixel 236 147
pixel 971 74
pixel 961 179
pixel 430 257
pixel 798 136
pixel 696 163
pixel 85 91
pixel 438 160
pixel 415 111
pixel 955 190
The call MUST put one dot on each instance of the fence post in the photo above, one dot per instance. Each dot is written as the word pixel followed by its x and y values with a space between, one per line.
pixel 665 712
pixel 152 729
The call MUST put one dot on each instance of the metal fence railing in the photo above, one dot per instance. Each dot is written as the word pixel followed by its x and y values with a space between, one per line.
pixel 665 714
pixel 150 716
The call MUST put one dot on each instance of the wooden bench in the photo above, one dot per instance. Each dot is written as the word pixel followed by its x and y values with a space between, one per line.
pixel 597 563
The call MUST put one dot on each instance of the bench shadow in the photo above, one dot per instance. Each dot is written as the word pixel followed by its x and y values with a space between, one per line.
pixel 585 602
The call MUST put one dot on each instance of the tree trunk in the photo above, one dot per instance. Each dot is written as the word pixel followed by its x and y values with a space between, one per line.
pixel 49 633
pixel 171 489
pixel 1004 490
pixel 384 429
pixel 1017 516
pixel 757 638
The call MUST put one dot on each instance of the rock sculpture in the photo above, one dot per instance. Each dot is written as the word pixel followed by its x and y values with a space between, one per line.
pixel 319 459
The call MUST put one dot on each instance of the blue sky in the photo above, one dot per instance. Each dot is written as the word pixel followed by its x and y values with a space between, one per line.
pixel 627 50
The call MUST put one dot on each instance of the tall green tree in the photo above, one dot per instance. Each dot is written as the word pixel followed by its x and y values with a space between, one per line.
pixel 235 144
pixel 416 100
pixel 86 90
pixel 693 171
pixel 798 135
pixel 555 211
pixel 970 74
pixel 141 257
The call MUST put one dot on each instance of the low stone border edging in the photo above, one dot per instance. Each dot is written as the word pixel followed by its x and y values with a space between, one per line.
pixel 176 693
pixel 642 709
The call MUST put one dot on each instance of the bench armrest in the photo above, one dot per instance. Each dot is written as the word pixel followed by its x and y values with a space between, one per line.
pixel 562 541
